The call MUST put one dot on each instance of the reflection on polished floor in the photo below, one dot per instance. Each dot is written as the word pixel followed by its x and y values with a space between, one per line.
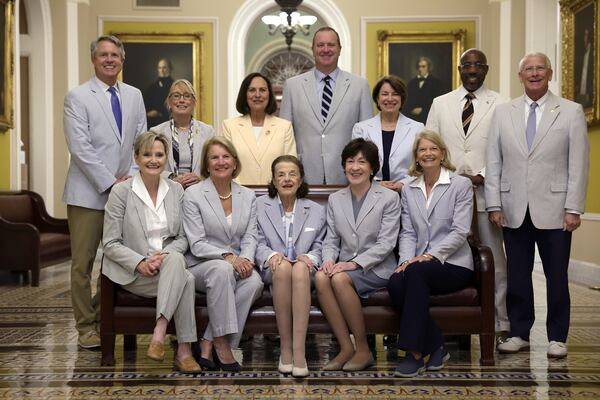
pixel 39 358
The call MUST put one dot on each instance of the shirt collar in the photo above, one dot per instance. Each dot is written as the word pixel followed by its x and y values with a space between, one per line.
pixel 444 178
pixel 463 92
pixel 540 102
pixel 334 74
pixel 138 187
pixel 104 86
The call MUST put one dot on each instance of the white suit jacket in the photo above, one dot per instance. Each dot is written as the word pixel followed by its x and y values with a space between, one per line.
pixel 401 151
pixel 277 139
pixel 99 154
pixel 551 177
pixel 440 230
pixel 125 241
pixel 370 240
pixel 201 131
pixel 310 225
pixel 209 235
pixel 319 143
pixel 467 152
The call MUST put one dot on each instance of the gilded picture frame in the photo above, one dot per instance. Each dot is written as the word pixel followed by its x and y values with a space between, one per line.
pixel 581 55
pixel 404 53
pixel 6 64
pixel 143 51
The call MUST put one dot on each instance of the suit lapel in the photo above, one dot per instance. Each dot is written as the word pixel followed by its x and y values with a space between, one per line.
pixel 300 217
pixel 139 208
pixel 274 214
pixel 517 116
pixel 419 198
pixel 457 115
pixel 266 136
pixel 210 192
pixel 341 87
pixel 310 91
pixel 245 129
pixel 375 126
pixel 399 136
pixel 170 207
pixel 438 192
pixel 126 104
pixel 236 207
pixel 484 105
pixel 346 206
pixel 551 111
pixel 371 199
pixel 100 97
pixel 197 149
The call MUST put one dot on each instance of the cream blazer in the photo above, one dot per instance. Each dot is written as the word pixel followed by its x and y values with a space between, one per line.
pixel 276 139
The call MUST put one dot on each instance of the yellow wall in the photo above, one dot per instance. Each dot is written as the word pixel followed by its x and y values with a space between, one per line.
pixel 4 160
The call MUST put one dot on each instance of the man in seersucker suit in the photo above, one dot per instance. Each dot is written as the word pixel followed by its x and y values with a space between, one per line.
pixel 323 105
pixel 102 117
pixel 536 181
pixel 467 143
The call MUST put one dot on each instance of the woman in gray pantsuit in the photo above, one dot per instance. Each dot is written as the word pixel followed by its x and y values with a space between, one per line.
pixel 220 223
pixel 144 244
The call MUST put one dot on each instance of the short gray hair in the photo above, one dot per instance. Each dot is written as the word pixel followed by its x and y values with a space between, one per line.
pixel 535 54
pixel 107 38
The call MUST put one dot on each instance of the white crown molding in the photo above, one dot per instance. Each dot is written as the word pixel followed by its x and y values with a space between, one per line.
pixel 591 217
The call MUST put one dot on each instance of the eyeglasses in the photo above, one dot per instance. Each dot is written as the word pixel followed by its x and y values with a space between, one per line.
pixel 531 70
pixel 177 96
pixel 477 65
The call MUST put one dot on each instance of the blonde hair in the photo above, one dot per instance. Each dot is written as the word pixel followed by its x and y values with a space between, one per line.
pixel 144 141
pixel 227 145
pixel 415 169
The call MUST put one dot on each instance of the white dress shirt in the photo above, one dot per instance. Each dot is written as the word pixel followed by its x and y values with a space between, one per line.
pixel 156 217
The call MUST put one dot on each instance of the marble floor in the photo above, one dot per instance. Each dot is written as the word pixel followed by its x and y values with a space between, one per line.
pixel 39 358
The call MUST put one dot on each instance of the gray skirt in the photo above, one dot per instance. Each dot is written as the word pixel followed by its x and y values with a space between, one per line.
pixel 366 283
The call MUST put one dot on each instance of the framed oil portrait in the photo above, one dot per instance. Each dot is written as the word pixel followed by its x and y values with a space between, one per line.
pixel 426 61
pixel 6 64
pixel 580 61
pixel 153 61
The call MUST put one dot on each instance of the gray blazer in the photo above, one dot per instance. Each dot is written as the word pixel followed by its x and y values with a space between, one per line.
pixel 206 228
pixel 550 178
pixel 99 154
pixel 402 143
pixel 369 241
pixel 201 131
pixel 467 151
pixel 309 229
pixel 124 239
pixel 319 143
pixel 440 230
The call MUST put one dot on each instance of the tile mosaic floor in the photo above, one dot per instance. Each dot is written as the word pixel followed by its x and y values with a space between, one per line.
pixel 39 358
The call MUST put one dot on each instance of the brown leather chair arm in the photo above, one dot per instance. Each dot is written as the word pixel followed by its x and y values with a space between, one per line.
pixel 44 221
pixel 484 281
pixel 19 243
pixel 107 305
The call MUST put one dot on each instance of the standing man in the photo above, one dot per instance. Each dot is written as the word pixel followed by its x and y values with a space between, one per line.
pixel 323 105
pixel 536 180
pixel 463 119
pixel 422 89
pixel 102 117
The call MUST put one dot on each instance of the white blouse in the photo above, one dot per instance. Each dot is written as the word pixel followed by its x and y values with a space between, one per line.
pixel 156 217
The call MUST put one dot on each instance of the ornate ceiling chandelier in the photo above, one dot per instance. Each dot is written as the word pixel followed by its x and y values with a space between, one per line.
pixel 289 21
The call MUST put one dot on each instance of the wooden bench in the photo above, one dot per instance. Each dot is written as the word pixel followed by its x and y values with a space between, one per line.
pixel 469 311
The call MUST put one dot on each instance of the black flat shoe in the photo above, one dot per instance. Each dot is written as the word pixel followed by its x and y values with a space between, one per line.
pixel 204 363
pixel 231 367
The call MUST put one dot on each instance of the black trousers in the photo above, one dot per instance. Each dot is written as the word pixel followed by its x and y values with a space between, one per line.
pixel 409 292
pixel 554 246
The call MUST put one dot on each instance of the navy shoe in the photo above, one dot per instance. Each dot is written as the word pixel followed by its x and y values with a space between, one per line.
pixel 437 359
pixel 231 367
pixel 409 366
pixel 205 363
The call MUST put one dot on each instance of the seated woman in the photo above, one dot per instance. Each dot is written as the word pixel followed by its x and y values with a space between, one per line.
pixel 362 226
pixel 435 257
pixel 258 135
pixel 290 232
pixel 392 132
pixel 219 217
pixel 144 244
pixel 185 134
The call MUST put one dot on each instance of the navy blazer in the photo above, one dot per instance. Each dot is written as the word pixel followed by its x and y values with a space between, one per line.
pixel 309 229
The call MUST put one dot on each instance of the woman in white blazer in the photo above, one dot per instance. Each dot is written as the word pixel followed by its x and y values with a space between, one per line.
pixel 219 218
pixel 290 233
pixel 258 135
pixel 185 134
pixel 143 244
pixel 435 258
pixel 362 227
pixel 392 132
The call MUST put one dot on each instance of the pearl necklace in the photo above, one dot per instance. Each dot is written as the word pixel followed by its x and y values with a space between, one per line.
pixel 226 197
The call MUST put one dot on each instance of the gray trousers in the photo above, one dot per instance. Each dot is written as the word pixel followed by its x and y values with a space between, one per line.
pixel 173 288
pixel 228 299
pixel 491 236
